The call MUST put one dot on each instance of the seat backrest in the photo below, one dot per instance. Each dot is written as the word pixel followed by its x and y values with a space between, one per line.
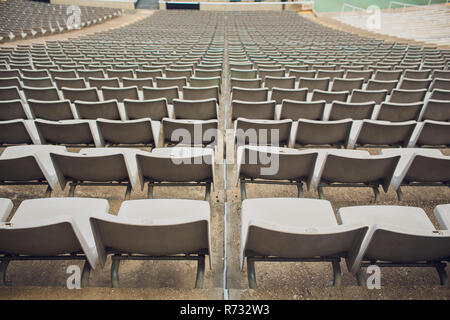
pixel 377 96
pixel 12 109
pixel 314 83
pixel 407 96
pixel 253 110
pixel 201 93
pixel 76 133
pixel 329 96
pixel 295 110
pixel 354 111
pixel 190 132
pixel 88 94
pixel 9 93
pixel 334 133
pixel 120 94
pixel 104 82
pixel 37 82
pixel 195 109
pixel 279 82
pixel 51 110
pixel 42 94
pixel 169 93
pixel 14 132
pixel 132 132
pixel 93 110
pixel 76 167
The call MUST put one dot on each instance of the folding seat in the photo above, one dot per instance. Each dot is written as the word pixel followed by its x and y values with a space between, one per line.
pixel 120 94
pixel 51 110
pixel 399 237
pixel 171 82
pixel 399 111
pixel 241 65
pixel 92 73
pixel 262 132
pixel 96 167
pixel 10 93
pixel 59 225
pixel 176 167
pixel 287 236
pixel 246 83
pixel 419 167
pixel 388 75
pixel 388 85
pixel 313 132
pixel 417 74
pixel 274 165
pixel 349 110
pixel 407 96
pixel 130 132
pixel 99 83
pixel 206 73
pixel 433 133
pixel 312 84
pixel 377 96
pixel 29 165
pixel 244 74
pixel 87 94
pixel 119 74
pixel 201 93
pixel 437 110
pixel 37 82
pixel 414 84
pixel 161 68
pixel 376 133
pixel 68 132
pixel 302 74
pixel 75 83
pixel 183 132
pixel 205 82
pixel 279 94
pixel 350 169
pixel 139 83
pixel 195 109
pixel 249 94
pixel 11 82
pixel 253 110
pixel 63 74
pixel 296 109
pixel 14 109
pixel 438 94
pixel 16 132
pixel 330 74
pixel 276 73
pixel 178 73
pixel 11 73
pixel 148 240
pixel 442 84
pixel 329 96
pixel 441 74
pixel 341 84
pixel 148 74
pixel 108 109
pixel 365 74
pixel 169 93
pixel 279 82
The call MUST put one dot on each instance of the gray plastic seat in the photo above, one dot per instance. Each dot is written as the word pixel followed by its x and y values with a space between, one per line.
pixel 137 109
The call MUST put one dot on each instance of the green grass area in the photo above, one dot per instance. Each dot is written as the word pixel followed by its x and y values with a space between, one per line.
pixel 336 5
